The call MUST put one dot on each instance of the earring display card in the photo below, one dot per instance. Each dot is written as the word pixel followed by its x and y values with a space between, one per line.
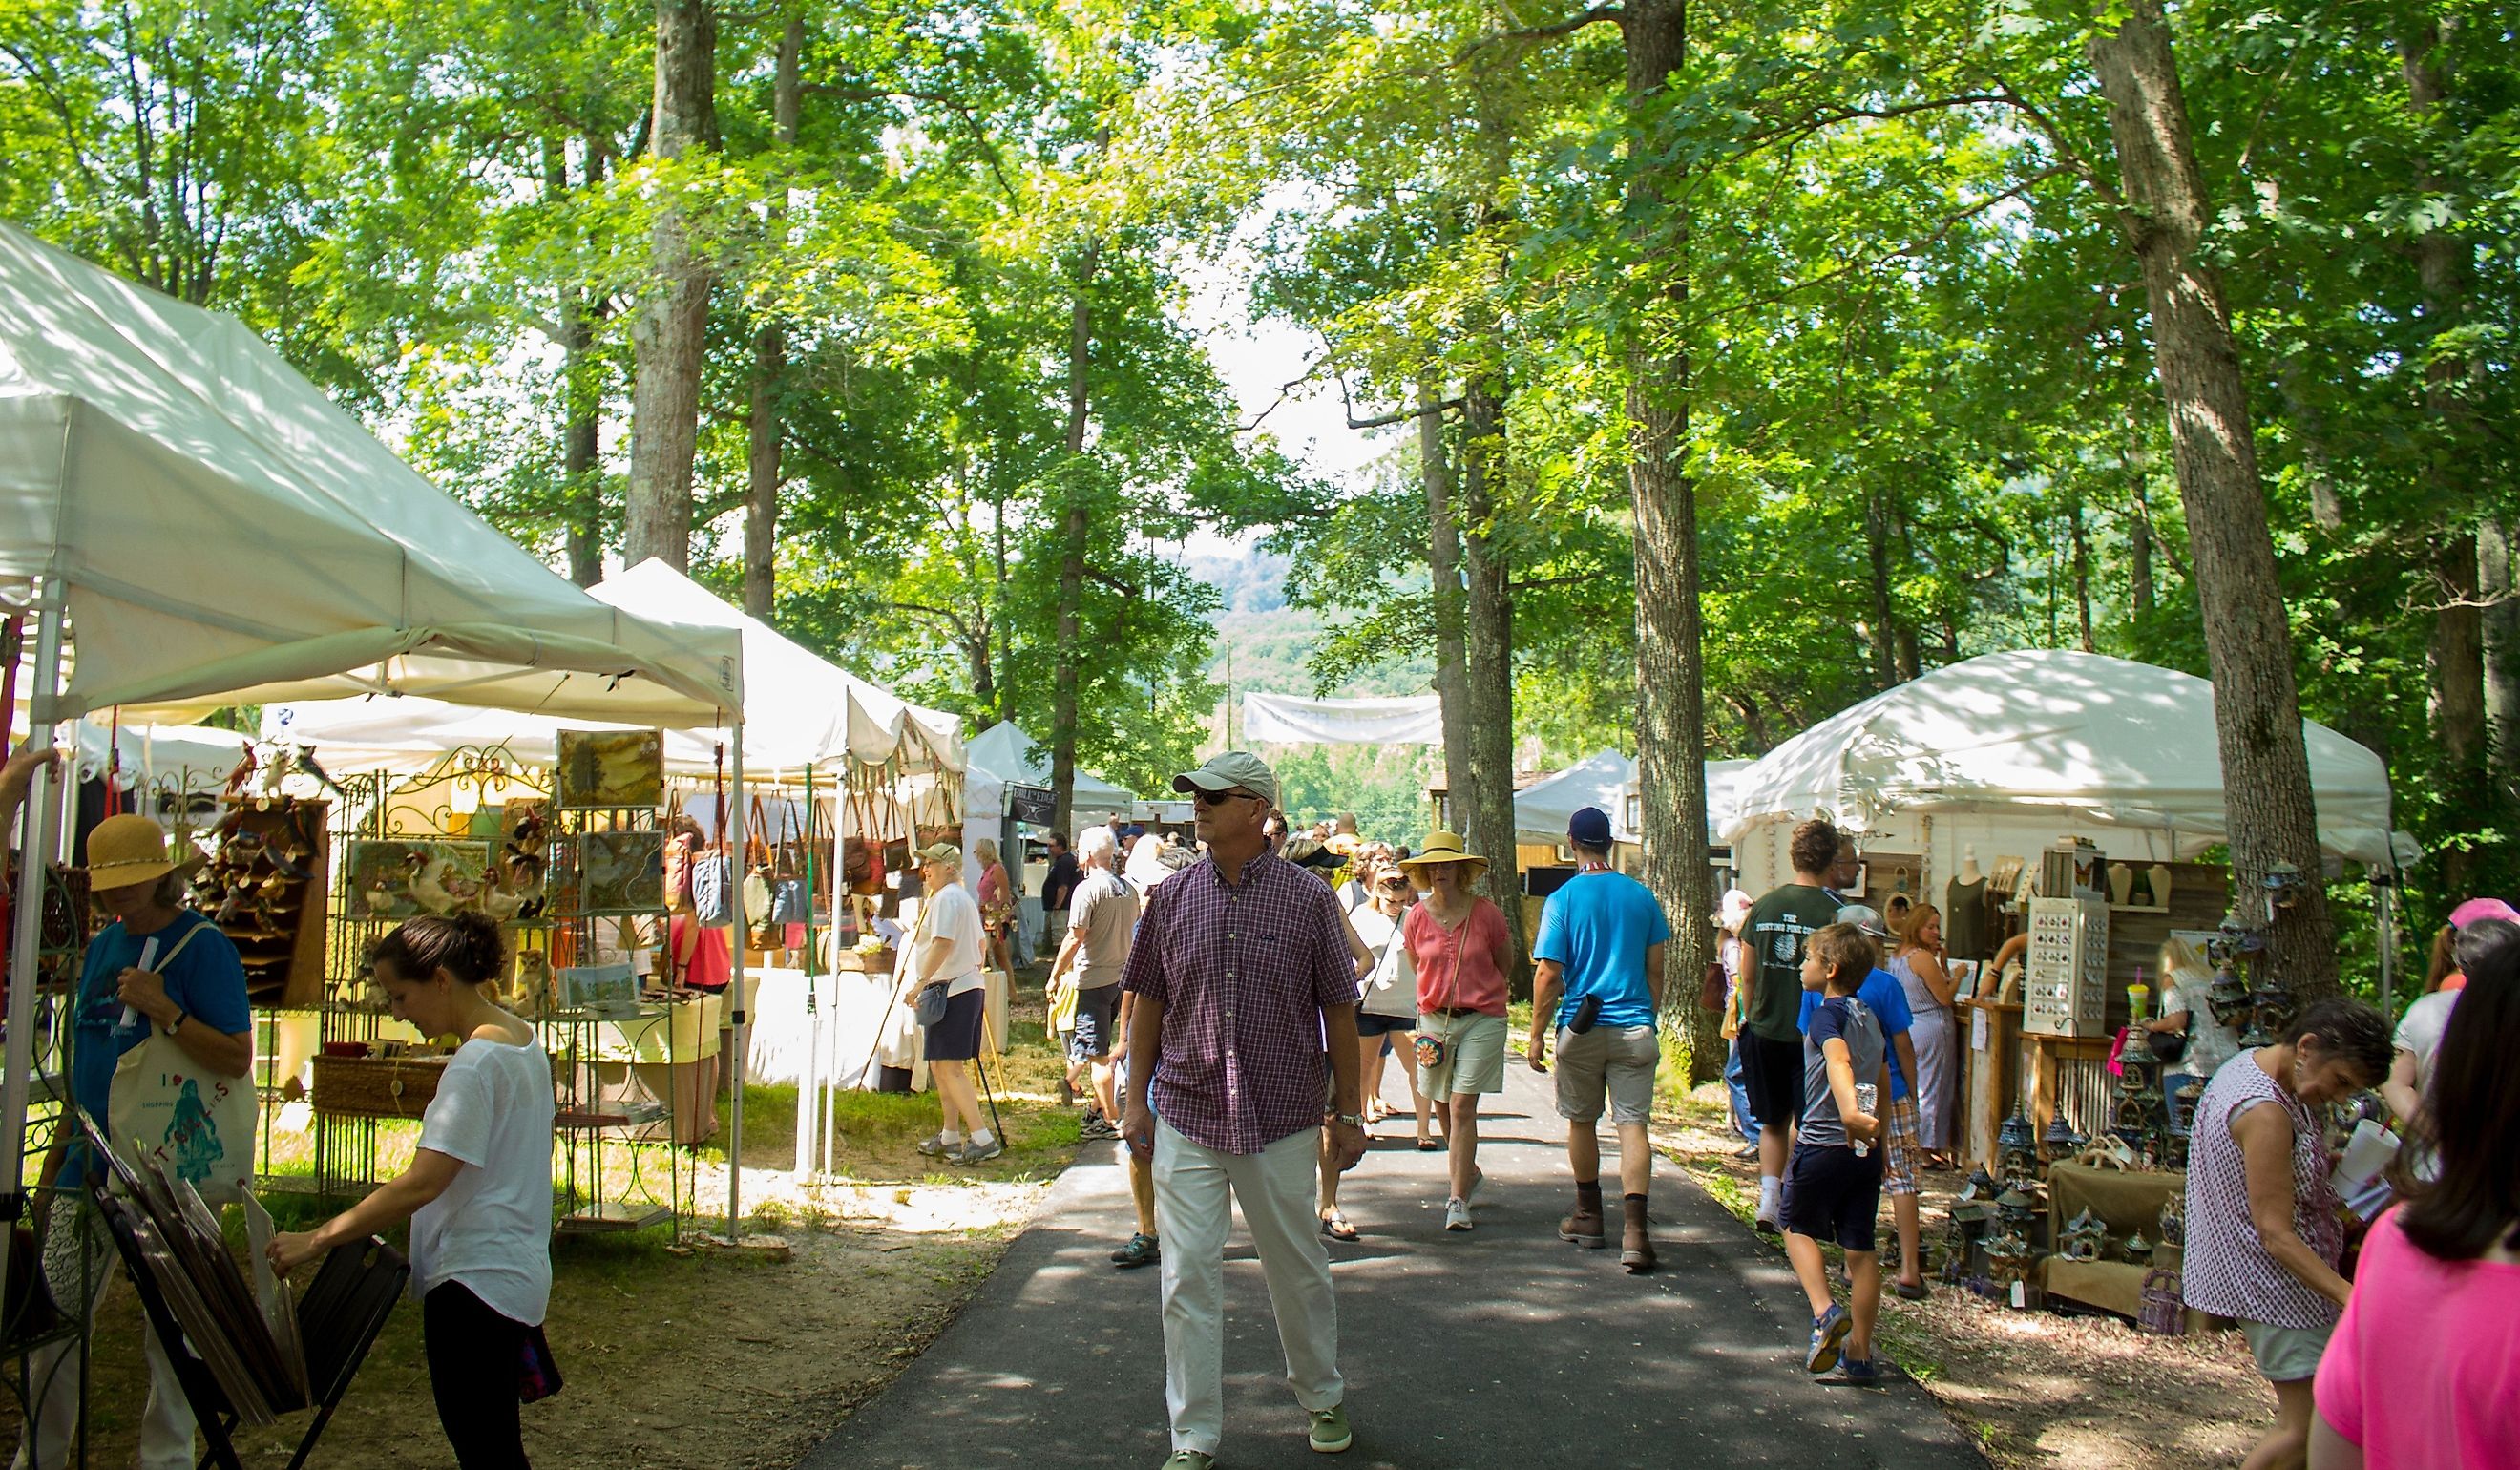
pixel 611 768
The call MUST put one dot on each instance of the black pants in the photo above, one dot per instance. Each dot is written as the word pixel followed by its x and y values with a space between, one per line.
pixel 473 1354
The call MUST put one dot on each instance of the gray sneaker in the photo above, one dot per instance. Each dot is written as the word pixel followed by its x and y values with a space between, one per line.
pixel 936 1146
pixel 976 1152
pixel 1457 1214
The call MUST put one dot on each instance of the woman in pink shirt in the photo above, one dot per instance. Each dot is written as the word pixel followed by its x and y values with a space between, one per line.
pixel 1462 950
pixel 2424 1370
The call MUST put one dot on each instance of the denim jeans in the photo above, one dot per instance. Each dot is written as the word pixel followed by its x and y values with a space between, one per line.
pixel 1742 1123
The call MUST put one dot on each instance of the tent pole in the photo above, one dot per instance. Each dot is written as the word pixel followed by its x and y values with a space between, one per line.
pixel 740 1032
pixel 806 1081
pixel 35 847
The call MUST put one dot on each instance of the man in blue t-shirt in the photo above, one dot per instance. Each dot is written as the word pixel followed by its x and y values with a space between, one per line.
pixel 1600 975
pixel 1903 1146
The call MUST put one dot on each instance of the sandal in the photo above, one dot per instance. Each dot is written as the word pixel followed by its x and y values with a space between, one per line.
pixel 1428 1145
pixel 1336 1227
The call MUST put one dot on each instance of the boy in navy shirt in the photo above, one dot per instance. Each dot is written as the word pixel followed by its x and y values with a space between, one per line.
pixel 1833 1181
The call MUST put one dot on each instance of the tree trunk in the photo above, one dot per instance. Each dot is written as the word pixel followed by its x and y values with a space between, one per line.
pixel 1487 627
pixel 1670 698
pixel 2501 656
pixel 1075 523
pixel 768 427
pixel 2139 589
pixel 2257 710
pixel 581 429
pixel 1444 572
pixel 1877 547
pixel 2082 538
pixel 670 334
pixel 2456 660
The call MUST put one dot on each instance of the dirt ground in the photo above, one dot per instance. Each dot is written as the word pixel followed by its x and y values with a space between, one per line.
pixel 730 1360
pixel 2034 1389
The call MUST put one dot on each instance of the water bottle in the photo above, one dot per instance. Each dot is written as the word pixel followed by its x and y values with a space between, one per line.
pixel 1868 1096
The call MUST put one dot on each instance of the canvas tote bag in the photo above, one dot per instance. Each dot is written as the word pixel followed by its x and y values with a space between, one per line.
pixel 169 1109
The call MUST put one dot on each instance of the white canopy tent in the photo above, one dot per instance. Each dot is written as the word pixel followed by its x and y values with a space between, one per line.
pixel 800 710
pixel 2008 751
pixel 1607 780
pixel 1001 756
pixel 1284 719
pixel 220 533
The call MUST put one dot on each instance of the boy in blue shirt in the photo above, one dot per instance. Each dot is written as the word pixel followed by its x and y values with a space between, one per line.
pixel 1601 948
pixel 1904 1148
pixel 1834 1181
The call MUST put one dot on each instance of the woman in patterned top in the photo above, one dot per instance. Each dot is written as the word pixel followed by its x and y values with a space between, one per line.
pixel 2263 1233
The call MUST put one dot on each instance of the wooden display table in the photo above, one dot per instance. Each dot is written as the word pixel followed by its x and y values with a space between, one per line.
pixel 2128 1202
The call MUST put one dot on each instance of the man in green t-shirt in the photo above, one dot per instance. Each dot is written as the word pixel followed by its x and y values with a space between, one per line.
pixel 1771 968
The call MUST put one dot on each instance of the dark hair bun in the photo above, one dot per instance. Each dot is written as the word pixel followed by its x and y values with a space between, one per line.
pixel 467 946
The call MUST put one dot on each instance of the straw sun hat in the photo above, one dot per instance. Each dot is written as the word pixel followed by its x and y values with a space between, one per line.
pixel 129 850
pixel 1444 848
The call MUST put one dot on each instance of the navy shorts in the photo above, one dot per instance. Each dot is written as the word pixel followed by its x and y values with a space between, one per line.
pixel 1374 1025
pixel 1097 1032
pixel 1772 1073
pixel 1830 1194
pixel 957 1038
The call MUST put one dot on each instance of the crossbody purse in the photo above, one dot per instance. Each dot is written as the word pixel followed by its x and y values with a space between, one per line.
pixel 1432 1050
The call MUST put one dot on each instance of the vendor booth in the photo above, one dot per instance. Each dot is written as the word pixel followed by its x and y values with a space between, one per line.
pixel 186 523
pixel 1006 789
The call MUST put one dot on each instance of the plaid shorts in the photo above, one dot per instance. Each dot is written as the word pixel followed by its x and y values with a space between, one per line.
pixel 1907 1148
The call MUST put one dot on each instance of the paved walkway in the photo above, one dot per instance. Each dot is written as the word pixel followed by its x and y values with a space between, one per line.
pixel 1500 1348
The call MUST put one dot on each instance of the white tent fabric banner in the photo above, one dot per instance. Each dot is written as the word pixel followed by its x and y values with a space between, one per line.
pixel 800 711
pixel 226 535
pixel 1607 780
pixel 1286 720
pixel 2105 739
pixel 1001 756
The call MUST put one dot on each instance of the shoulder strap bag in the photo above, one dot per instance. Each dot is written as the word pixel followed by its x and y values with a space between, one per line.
pixel 165 1108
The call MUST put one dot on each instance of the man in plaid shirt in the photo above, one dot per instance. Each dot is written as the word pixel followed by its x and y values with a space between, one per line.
pixel 1243 979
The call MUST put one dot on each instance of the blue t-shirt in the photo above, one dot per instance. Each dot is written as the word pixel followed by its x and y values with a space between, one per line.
pixel 1597 929
pixel 1883 996
pixel 1848 1019
pixel 206 980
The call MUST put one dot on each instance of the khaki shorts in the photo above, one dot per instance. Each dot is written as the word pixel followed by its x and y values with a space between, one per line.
pixel 1907 1150
pixel 2286 1354
pixel 1473 1055
pixel 1618 1062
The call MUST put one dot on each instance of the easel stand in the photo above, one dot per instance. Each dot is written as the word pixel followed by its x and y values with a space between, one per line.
pixel 338 1318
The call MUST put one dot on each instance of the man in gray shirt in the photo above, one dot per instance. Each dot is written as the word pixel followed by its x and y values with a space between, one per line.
pixel 1102 914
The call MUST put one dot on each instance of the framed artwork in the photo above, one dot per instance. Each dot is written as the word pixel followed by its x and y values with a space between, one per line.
pixel 598 987
pixel 1964 974
pixel 621 873
pixel 394 879
pixel 611 768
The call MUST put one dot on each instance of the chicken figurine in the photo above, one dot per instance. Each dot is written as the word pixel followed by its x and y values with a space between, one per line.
pixel 427 883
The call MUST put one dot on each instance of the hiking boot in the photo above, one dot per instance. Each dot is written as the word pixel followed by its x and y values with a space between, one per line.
pixel 1141 1250
pixel 1331 1434
pixel 1828 1331
pixel 1636 1245
pixel 977 1152
pixel 937 1146
pixel 1584 1227
pixel 1457 1214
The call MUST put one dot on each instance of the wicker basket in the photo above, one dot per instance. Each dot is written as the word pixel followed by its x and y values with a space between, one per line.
pixel 375 1087
pixel 859 961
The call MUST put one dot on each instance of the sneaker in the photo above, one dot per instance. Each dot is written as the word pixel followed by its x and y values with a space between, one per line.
pixel 1331 1434
pixel 1828 1330
pixel 937 1146
pixel 1457 1214
pixel 977 1152
pixel 1190 1459
pixel 1855 1373
pixel 1767 1224
pixel 1141 1250
pixel 1746 1152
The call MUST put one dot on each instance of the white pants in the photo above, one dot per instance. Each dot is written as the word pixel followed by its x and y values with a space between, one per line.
pixel 165 1426
pixel 1196 1188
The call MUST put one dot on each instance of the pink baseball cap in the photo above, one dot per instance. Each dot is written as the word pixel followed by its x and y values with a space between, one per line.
pixel 2483 908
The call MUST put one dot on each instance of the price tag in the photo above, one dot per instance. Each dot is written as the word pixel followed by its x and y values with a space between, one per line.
pixel 1981 1034
pixel 2020 1294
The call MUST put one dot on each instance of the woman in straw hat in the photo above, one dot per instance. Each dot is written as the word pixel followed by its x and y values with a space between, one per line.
pixel 1462 948
pixel 158 968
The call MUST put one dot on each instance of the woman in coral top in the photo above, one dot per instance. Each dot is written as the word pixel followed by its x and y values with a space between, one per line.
pixel 2424 1370
pixel 1462 951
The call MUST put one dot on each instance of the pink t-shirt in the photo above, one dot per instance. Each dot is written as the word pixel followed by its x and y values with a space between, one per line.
pixel 2424 1370
pixel 1456 969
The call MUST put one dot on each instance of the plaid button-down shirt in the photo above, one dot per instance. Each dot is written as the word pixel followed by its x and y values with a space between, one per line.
pixel 1243 971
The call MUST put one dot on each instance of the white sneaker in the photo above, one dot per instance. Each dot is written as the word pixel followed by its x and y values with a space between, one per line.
pixel 1457 1214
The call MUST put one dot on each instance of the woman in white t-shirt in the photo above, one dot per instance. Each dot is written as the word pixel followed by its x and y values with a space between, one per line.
pixel 478 1192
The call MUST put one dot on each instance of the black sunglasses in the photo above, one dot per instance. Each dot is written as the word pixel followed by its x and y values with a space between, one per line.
pixel 1208 799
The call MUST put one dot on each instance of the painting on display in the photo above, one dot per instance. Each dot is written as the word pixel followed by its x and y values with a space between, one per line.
pixel 619 872
pixel 611 768
pixel 393 878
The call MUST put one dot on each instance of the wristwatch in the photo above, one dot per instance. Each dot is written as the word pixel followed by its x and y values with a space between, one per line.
pixel 1352 1120
pixel 181 1016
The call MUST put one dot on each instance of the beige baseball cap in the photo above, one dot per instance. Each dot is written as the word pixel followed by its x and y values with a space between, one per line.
pixel 943 852
pixel 1232 770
